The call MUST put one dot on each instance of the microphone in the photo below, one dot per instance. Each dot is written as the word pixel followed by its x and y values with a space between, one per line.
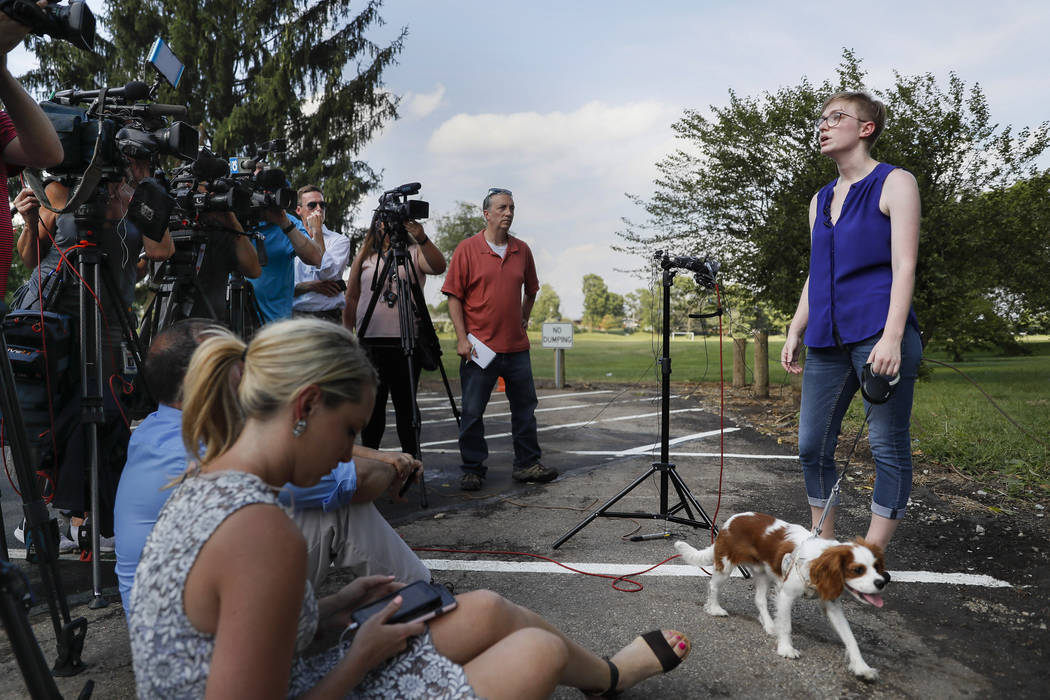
pixel 406 189
pixel 209 167
pixel 176 112
pixel 134 90
pixel 654 536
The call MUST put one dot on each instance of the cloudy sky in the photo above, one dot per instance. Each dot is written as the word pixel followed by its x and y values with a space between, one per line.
pixel 570 104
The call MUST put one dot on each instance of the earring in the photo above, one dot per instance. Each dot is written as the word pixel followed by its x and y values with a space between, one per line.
pixel 299 428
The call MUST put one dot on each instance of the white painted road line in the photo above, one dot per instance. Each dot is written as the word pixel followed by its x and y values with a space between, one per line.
pixel 647 399
pixel 570 425
pixel 685 438
pixel 544 567
pixel 630 453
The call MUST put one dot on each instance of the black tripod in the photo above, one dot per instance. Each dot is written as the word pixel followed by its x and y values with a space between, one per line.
pixel 704 275
pixel 42 531
pixel 396 265
pixel 93 273
pixel 178 289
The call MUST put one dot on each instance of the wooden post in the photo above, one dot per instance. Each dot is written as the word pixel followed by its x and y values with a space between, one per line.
pixel 762 364
pixel 739 361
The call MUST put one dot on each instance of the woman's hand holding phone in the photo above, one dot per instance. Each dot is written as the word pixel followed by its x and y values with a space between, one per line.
pixel 377 641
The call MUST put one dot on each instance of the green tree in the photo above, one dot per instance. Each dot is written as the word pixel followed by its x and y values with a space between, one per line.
pixel 599 302
pixel 644 308
pixel 595 293
pixel 464 221
pixel 254 72
pixel 547 306
pixel 739 190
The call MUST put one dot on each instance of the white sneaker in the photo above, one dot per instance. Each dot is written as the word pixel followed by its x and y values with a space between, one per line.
pixel 66 545
pixel 20 531
pixel 106 544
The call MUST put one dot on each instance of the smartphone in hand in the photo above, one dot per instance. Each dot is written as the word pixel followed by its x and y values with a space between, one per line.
pixel 421 601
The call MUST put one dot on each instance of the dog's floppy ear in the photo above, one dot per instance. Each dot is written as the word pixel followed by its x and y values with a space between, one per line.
pixel 827 572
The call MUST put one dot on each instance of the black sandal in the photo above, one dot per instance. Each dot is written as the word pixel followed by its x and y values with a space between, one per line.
pixel 614 680
pixel 662 649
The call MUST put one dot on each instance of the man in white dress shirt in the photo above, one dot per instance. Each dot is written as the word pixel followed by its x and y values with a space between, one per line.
pixel 319 291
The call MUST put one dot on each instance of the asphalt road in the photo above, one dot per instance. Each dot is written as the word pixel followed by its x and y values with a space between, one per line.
pixel 965 615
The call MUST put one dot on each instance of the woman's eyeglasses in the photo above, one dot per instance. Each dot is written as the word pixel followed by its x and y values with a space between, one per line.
pixel 834 118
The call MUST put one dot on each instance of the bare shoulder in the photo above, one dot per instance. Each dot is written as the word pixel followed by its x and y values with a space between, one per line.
pixel 254 534
pixel 900 190
pixel 900 181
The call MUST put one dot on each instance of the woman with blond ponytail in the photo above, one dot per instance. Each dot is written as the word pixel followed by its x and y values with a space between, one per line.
pixel 221 606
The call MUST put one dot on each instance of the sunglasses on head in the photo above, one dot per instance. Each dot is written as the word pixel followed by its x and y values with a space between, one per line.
pixel 314 205
pixel 500 190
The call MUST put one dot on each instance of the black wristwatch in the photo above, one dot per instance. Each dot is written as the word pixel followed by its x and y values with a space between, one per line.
pixel 288 229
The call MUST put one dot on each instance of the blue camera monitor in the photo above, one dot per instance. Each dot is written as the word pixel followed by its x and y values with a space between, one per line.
pixel 164 60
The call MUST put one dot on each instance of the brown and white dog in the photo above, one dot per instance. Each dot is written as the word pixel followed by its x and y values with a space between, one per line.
pixel 799 564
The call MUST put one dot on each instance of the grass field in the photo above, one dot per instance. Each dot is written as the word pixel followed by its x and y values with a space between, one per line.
pixel 953 423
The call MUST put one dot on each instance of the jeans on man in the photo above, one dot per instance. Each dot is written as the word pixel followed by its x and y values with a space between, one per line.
pixel 829 382
pixel 516 370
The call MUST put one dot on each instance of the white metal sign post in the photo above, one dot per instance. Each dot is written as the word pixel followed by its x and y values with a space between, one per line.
pixel 559 337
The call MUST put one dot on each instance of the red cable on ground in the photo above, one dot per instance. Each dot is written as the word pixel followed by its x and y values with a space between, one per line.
pixel 615 579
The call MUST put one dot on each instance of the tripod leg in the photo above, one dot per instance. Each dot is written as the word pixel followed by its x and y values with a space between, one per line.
pixel 604 507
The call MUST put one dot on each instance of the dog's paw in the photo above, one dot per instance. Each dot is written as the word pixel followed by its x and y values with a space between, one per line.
pixel 863 671
pixel 715 610
pixel 770 628
pixel 787 651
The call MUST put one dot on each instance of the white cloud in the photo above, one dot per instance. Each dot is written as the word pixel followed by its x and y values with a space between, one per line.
pixel 419 105
pixel 541 135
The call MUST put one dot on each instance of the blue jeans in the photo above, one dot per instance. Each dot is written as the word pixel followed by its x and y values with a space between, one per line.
pixel 477 383
pixel 830 379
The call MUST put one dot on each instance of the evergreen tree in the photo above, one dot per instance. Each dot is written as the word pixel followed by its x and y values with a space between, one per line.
pixel 255 71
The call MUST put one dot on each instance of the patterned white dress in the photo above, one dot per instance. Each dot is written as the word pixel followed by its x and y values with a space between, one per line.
pixel 171 658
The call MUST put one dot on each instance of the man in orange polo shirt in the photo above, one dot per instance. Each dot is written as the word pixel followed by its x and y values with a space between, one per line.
pixel 484 286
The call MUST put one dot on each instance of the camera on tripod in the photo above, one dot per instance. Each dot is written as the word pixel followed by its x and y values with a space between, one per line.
pixel 704 269
pixel 267 185
pixel 395 208
pixel 205 185
pixel 75 24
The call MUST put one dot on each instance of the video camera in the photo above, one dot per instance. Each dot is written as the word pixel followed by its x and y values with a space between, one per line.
pixel 704 269
pixel 75 24
pixel 115 127
pixel 242 185
pixel 395 208
pixel 269 185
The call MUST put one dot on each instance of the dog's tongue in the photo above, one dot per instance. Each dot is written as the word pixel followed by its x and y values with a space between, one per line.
pixel 875 600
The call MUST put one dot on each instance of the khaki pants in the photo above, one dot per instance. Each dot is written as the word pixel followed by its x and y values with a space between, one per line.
pixel 357 537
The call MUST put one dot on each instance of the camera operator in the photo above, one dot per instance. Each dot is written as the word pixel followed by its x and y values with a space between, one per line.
pixel 285 239
pixel 226 251
pixel 319 289
pixel 382 339
pixel 47 245
pixel 27 137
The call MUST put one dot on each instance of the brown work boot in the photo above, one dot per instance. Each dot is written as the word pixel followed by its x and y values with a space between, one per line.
pixel 536 473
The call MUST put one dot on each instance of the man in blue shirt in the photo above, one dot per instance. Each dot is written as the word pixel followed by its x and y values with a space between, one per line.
pixel 339 521
pixel 284 240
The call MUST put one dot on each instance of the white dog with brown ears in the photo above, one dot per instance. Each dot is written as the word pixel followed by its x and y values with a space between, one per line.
pixel 800 564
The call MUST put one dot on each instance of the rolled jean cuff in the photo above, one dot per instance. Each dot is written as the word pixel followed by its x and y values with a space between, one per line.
pixel 821 502
pixel 889 513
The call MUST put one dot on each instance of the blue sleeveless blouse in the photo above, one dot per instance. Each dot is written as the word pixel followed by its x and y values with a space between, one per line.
pixel 850 270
